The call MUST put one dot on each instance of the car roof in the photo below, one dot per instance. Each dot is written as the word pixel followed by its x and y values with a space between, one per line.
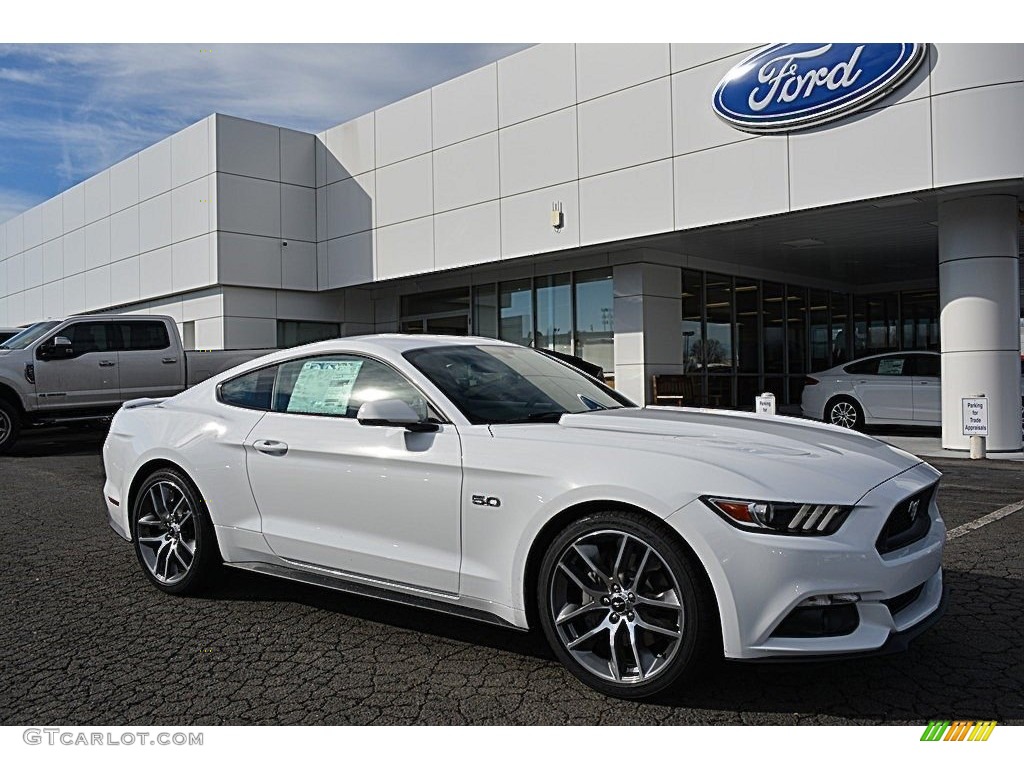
pixel 403 342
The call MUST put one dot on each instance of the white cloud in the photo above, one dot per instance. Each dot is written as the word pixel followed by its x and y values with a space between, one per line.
pixel 13 202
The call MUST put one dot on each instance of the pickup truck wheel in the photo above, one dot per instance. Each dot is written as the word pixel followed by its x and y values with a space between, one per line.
pixel 173 535
pixel 623 605
pixel 10 426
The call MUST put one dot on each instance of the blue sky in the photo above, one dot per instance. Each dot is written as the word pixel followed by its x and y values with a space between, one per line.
pixel 69 111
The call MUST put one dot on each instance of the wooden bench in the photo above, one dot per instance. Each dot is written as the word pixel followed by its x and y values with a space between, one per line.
pixel 671 389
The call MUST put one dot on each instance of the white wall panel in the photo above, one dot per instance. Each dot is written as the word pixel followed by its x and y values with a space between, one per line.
pixel 124 281
pixel 155 169
pixel 33 267
pixel 250 302
pixel 405 191
pixel 124 185
pixel 295 305
pixel 526 221
pixel 15 235
pixel 977 134
pixel 350 260
pixel 298 266
pixel 605 67
pixel 737 181
pixel 883 152
pixel 405 249
pixel 350 149
pixel 298 158
pixel 466 173
pixel 97 242
pixel 124 235
pixel 626 128
pixel 298 213
pixel 695 125
pixel 350 205
pixel 202 304
pixel 956 66
pixel 248 149
pixel 210 333
pixel 248 206
pixel 539 153
pixel 467 236
pixel 74 252
pixel 249 260
pixel 154 223
pixel 34 304
pixel 97 288
pixel 73 208
pixel 629 203
pixel 403 129
pixel 33 219
pixel 53 260
pixel 155 273
pixel 53 219
pixel 190 264
pixel 16 309
pixel 466 106
pixel 190 153
pixel 97 198
pixel 190 209
pixel 249 332
pixel 53 300
pixel 74 294
pixel 16 273
pixel 536 81
pixel 687 55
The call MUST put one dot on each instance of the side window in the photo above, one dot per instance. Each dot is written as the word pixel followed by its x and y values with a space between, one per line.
pixel 863 368
pixel 250 390
pixel 89 337
pixel 139 335
pixel 896 365
pixel 336 385
pixel 927 365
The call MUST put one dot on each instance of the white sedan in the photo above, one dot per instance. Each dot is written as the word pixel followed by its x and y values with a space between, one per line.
pixel 488 481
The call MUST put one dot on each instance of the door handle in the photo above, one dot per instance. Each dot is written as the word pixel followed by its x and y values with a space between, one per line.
pixel 169 360
pixel 271 447
pixel 107 363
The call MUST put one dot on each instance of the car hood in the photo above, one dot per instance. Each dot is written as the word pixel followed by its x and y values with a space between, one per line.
pixel 737 452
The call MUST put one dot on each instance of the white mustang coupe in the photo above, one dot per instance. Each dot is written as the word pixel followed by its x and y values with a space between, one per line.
pixel 489 481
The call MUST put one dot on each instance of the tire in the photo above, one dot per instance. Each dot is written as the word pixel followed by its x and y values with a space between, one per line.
pixel 172 533
pixel 844 412
pixel 10 426
pixel 596 596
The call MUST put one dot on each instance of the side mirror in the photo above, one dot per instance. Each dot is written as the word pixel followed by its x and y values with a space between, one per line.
pixel 392 413
pixel 58 349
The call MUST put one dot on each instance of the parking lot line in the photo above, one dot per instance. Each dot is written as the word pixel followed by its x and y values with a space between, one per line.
pixel 991 517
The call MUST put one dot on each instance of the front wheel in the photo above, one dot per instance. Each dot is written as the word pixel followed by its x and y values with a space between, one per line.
pixel 622 605
pixel 173 535
pixel 10 426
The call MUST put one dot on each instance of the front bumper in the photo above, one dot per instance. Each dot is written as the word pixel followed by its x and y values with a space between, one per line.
pixel 759 579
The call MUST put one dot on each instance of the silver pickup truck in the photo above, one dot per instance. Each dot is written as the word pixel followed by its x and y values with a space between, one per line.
pixel 81 369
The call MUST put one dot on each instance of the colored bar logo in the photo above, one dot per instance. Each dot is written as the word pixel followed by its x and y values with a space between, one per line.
pixel 958 730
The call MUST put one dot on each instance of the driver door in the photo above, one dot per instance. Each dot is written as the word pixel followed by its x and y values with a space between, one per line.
pixel 376 502
pixel 88 379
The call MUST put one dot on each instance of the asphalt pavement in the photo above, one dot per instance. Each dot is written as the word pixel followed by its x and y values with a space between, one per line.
pixel 84 639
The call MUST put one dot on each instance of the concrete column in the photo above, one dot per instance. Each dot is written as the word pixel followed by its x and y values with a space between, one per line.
pixel 648 318
pixel 979 284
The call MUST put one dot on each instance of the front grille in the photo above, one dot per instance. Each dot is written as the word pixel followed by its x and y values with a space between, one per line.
pixel 898 603
pixel 908 522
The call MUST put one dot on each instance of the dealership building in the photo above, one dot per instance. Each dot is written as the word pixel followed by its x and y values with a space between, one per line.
pixel 741 215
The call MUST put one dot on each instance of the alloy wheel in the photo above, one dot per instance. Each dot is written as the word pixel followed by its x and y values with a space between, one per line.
pixel 166 532
pixel 617 607
pixel 844 414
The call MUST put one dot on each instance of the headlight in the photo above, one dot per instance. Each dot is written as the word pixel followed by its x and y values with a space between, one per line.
pixel 782 517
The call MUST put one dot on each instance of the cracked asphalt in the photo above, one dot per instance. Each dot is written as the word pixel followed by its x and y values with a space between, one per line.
pixel 84 640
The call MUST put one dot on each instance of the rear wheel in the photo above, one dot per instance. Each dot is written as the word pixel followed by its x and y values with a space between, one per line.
pixel 844 412
pixel 10 426
pixel 623 607
pixel 173 535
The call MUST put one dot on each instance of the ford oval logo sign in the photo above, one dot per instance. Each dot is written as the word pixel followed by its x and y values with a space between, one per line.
pixel 797 85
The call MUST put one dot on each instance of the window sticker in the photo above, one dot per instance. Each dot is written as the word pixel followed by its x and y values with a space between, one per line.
pixel 324 386
pixel 891 366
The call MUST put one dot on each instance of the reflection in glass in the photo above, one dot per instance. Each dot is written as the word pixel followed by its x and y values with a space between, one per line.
pixel 821 343
pixel 554 313
pixel 774 318
pixel 919 310
pixel 485 311
pixel 595 336
pixel 748 345
pixel 517 312
pixel 796 329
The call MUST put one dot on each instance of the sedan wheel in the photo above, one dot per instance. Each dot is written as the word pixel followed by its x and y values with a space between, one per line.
pixel 844 413
pixel 622 607
pixel 173 537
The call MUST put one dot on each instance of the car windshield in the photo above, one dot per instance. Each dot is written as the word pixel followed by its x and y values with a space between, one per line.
pixel 510 385
pixel 29 335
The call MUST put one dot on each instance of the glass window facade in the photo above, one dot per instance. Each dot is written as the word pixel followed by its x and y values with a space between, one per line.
pixel 292 333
